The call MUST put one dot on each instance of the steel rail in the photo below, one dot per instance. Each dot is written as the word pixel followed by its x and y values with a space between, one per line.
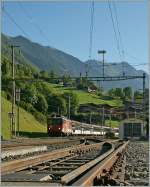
pixel 75 173
pixel 33 143
pixel 101 168
pixel 21 164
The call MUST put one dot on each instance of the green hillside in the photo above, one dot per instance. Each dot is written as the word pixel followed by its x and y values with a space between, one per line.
pixel 85 97
pixel 27 122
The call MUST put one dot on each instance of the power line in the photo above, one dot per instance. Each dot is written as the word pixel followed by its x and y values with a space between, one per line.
pixel 91 29
pixel 12 19
pixel 2 4
pixel 133 57
pixel 33 22
pixel 90 35
pixel 119 64
pixel 117 23
pixel 113 23
pixel 119 34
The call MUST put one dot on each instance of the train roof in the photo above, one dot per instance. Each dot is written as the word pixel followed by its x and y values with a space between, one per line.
pixel 57 116
pixel 82 124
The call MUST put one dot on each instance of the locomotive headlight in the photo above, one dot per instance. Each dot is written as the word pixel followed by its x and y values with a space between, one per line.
pixel 59 128
pixel 49 128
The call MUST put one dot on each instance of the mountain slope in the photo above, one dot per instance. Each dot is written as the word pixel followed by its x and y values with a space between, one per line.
pixel 48 58
pixel 116 69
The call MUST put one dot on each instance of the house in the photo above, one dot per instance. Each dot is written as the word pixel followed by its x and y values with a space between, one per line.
pixel 92 89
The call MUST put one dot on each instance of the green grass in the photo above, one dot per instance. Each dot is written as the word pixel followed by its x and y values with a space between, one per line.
pixel 27 122
pixel 114 123
pixel 85 97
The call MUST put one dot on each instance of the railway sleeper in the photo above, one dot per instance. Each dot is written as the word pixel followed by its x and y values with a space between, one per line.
pixel 60 167
pixel 51 164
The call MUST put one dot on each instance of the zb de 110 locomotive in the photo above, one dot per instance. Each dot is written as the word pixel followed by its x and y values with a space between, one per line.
pixel 59 126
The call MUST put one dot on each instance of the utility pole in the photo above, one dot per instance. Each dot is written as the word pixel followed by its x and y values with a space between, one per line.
pixel 103 122
pixel 86 74
pixel 13 92
pixel 144 111
pixel 135 113
pixel 58 110
pixel 69 107
pixel 123 72
pixel 127 113
pixel 18 102
pixel 10 116
pixel 110 119
pixel 90 118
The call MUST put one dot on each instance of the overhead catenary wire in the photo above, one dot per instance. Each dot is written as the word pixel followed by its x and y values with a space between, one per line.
pixel 113 23
pixel 119 36
pixel 90 36
pixel 118 29
pixel 13 21
pixel 119 64
pixel 91 30
pixel 32 21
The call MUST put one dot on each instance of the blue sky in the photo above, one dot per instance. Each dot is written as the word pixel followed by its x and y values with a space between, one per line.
pixel 66 27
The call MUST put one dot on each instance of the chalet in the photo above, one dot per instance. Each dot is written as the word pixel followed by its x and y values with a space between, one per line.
pixel 92 89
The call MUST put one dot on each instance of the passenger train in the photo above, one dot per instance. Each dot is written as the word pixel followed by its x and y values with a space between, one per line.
pixel 61 126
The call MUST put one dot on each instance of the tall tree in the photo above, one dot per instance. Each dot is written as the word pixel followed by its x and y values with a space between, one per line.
pixel 56 104
pixel 128 92
pixel 41 104
pixel 111 92
pixel 118 92
pixel 44 74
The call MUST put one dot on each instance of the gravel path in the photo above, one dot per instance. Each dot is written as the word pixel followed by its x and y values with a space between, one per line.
pixel 137 163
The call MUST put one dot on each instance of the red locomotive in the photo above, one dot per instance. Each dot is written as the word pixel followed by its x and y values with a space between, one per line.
pixel 57 126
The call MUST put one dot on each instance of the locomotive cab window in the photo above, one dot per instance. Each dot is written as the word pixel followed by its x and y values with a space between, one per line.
pixel 55 121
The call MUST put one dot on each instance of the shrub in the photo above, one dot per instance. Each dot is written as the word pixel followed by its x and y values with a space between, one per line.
pixel 40 117
pixel 110 135
pixel 4 94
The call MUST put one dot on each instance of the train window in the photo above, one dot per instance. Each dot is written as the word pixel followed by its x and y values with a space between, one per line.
pixel 55 121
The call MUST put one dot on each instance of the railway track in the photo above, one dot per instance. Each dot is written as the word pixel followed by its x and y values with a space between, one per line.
pixel 44 141
pixel 9 153
pixel 36 141
pixel 68 166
